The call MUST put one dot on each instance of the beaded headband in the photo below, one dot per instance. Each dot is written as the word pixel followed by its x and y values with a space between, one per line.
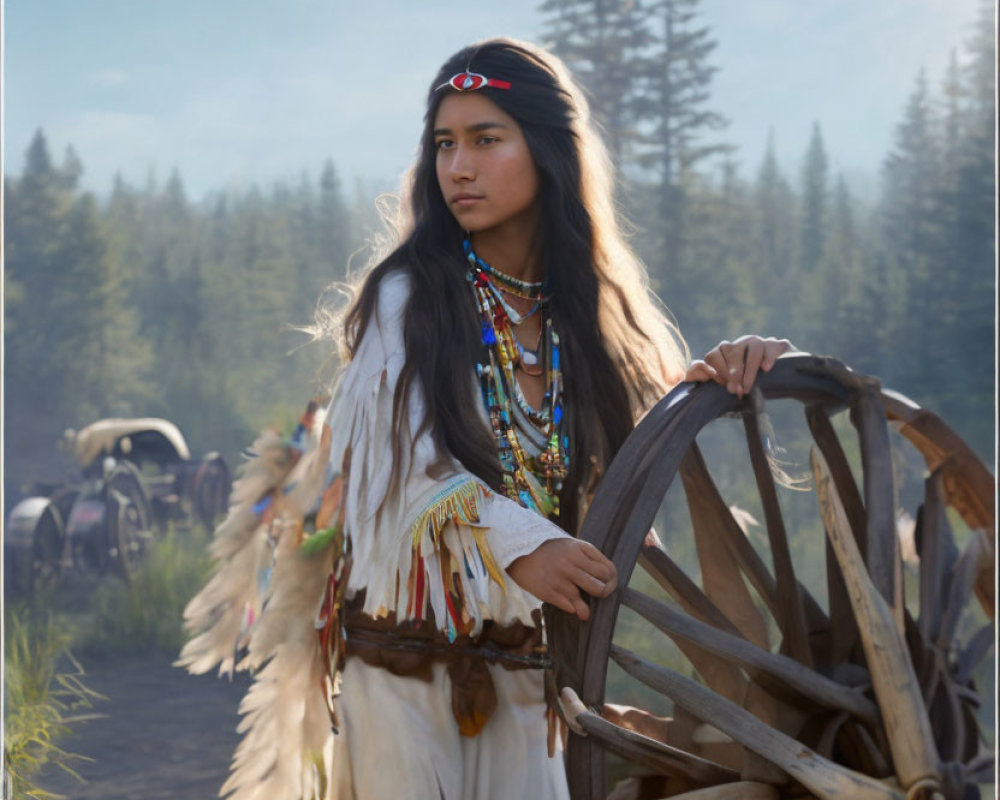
pixel 470 81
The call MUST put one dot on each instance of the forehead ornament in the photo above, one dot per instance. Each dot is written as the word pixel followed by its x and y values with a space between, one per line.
pixel 470 81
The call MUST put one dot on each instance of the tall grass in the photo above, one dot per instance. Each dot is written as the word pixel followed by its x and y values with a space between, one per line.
pixel 146 613
pixel 44 696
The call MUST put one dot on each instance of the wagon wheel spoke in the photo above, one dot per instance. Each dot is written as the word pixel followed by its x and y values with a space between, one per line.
pixel 741 790
pixel 647 751
pixel 937 550
pixel 791 614
pixel 881 556
pixel 972 655
pixel 779 674
pixel 906 721
pixel 713 520
pixel 723 553
pixel 843 628
pixel 673 580
pixel 961 583
pixel 821 776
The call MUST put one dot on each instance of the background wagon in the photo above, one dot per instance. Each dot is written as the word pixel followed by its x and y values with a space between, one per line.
pixel 137 477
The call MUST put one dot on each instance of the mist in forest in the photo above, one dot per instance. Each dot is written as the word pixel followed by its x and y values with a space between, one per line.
pixel 175 293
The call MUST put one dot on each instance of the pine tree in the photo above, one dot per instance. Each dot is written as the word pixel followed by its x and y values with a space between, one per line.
pixel 912 239
pixel 677 125
pixel 603 43
pixel 971 245
pixel 812 227
pixel 333 230
pixel 721 299
pixel 774 239
pixel 840 299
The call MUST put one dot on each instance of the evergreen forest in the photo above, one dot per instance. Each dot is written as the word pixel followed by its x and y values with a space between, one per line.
pixel 144 303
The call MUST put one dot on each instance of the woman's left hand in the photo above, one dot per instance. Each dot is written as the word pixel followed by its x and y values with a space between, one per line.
pixel 735 364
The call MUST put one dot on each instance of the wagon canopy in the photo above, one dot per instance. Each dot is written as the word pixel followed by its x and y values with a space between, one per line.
pixel 151 436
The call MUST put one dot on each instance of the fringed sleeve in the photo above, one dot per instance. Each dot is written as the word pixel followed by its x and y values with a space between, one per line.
pixel 439 544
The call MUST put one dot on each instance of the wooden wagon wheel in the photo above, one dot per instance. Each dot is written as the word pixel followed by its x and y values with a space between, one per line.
pixel 128 519
pixel 870 694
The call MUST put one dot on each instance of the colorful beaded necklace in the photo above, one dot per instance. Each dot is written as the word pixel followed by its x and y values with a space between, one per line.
pixel 532 481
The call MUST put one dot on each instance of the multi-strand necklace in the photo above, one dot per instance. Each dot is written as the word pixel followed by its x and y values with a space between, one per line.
pixel 533 480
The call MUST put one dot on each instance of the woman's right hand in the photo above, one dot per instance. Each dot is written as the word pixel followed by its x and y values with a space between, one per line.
pixel 558 570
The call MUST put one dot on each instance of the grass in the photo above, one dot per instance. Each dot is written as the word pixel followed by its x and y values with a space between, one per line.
pixel 44 694
pixel 146 613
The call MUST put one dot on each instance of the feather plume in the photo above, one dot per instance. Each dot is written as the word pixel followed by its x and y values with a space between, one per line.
pixel 286 724
pixel 279 483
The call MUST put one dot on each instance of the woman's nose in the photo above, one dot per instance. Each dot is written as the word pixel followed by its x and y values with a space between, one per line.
pixel 462 166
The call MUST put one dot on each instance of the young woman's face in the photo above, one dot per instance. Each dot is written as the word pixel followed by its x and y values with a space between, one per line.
pixel 484 168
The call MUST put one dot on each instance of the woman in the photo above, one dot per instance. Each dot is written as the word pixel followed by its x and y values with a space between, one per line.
pixel 498 358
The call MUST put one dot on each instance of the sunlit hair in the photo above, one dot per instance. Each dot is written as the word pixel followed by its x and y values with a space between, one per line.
pixel 620 352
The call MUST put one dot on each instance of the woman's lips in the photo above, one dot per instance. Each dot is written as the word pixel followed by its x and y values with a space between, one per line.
pixel 464 200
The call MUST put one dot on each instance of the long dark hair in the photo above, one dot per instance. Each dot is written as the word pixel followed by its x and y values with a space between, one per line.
pixel 620 353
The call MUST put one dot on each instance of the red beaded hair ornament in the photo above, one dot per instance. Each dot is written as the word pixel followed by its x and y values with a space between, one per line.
pixel 470 81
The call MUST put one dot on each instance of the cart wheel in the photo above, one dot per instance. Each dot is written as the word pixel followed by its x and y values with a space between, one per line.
pixel 33 544
pixel 210 490
pixel 129 520
pixel 47 548
pixel 750 667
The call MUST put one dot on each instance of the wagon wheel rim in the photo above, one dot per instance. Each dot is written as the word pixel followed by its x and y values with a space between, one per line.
pixel 624 509
pixel 129 521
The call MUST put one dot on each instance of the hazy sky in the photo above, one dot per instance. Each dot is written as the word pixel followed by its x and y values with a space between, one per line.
pixel 233 92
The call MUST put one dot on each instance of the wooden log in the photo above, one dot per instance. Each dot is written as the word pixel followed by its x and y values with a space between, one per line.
pixel 907 726
pixel 825 778
pixel 779 670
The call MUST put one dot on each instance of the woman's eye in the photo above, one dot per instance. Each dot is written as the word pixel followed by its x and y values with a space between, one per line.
pixel 487 139
pixel 444 144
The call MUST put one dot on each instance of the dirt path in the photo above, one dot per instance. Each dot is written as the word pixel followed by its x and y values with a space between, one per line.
pixel 166 735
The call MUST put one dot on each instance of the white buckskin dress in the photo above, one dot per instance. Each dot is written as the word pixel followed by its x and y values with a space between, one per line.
pixel 315 523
